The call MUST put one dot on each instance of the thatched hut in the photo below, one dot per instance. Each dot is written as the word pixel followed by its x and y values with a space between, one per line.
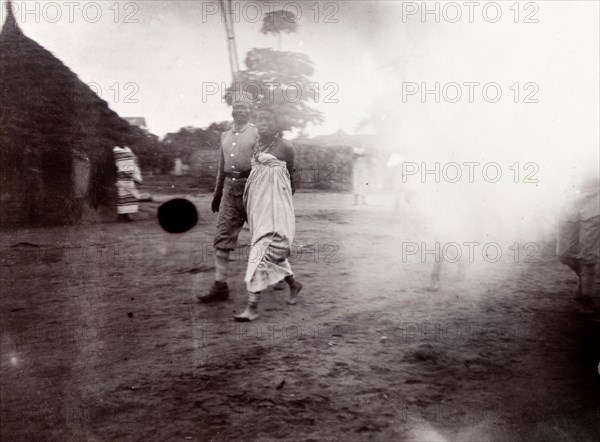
pixel 56 136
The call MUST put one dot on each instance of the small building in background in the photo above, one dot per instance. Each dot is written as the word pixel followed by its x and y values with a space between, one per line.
pixel 136 121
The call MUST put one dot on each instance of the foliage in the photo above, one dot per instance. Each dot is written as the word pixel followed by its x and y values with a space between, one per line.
pixel 150 151
pixel 279 21
pixel 278 81
pixel 188 140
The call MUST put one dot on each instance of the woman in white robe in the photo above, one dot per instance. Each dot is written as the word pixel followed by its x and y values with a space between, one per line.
pixel 271 218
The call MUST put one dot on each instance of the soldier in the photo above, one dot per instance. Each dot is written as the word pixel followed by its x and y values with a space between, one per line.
pixel 232 172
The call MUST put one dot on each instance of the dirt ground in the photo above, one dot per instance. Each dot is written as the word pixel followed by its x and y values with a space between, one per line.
pixel 103 339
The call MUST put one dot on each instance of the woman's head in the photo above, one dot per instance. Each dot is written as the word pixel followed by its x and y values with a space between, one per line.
pixel 267 123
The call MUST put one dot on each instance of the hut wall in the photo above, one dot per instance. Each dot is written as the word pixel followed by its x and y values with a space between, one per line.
pixel 47 115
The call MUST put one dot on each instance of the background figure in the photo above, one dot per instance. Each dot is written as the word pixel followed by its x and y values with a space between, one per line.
pixel 440 218
pixel 399 188
pixel 360 176
pixel 579 240
pixel 128 173
pixel 268 202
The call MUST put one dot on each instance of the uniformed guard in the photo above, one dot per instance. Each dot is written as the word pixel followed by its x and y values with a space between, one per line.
pixel 232 172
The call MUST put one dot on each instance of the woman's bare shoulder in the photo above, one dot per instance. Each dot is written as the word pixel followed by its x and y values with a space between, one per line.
pixel 285 144
pixel 284 150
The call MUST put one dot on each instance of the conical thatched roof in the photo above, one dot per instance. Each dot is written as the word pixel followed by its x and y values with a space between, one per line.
pixel 46 114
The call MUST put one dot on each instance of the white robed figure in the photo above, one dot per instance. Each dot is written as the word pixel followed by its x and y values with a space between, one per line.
pixel 271 218
pixel 360 176
pixel 268 202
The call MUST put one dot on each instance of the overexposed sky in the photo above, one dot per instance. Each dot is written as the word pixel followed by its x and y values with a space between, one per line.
pixel 178 46
pixel 370 50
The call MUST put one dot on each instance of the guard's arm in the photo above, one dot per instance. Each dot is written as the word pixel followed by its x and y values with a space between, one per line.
pixel 220 182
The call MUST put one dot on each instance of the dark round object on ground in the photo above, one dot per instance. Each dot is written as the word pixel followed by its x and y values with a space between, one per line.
pixel 177 215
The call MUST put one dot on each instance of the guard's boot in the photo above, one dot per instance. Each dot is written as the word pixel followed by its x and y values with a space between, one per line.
pixel 124 218
pixel 219 292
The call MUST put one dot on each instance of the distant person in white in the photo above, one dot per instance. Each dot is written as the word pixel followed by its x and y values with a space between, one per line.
pixel 578 244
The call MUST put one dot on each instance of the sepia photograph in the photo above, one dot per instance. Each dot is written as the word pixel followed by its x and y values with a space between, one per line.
pixel 299 221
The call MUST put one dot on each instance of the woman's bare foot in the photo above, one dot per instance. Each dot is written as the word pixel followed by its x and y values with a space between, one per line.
pixel 250 314
pixel 294 290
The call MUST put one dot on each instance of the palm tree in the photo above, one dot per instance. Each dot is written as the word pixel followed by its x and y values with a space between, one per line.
pixel 277 22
